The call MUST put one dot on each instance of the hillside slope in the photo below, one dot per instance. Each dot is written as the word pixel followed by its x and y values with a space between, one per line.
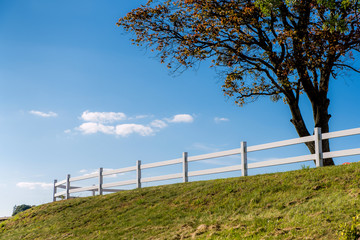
pixel 304 204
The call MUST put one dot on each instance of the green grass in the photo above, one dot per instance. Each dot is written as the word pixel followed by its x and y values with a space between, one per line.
pixel 304 204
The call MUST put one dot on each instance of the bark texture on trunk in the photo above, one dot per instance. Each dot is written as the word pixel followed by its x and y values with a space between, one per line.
pixel 321 118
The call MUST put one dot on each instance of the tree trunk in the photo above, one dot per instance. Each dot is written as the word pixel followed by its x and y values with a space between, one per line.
pixel 326 148
pixel 321 119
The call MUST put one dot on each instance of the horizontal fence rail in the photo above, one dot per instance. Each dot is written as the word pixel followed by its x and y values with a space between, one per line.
pixel 101 187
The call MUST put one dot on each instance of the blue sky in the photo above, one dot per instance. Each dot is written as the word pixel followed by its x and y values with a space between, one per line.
pixel 75 95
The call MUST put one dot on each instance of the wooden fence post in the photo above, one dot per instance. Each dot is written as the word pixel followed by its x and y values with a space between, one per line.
pixel 138 173
pixel 55 190
pixel 244 171
pixel 67 187
pixel 93 191
pixel 100 190
pixel 318 147
pixel 185 167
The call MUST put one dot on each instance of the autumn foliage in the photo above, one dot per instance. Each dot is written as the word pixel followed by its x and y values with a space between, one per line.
pixel 276 48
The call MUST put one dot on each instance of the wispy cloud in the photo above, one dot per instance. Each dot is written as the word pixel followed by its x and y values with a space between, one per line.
pixel 140 117
pixel 158 124
pixel 43 114
pixel 127 129
pixel 34 185
pixel 181 118
pixel 205 147
pixel 67 131
pixel 221 119
pixel 103 117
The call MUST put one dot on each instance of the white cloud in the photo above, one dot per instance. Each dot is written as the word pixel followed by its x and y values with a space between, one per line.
pixel 123 130
pixel 158 124
pixel 34 185
pixel 67 131
pixel 219 119
pixel 43 114
pixel 103 117
pixel 127 129
pixel 83 171
pixel 186 118
pixel 101 122
pixel 91 128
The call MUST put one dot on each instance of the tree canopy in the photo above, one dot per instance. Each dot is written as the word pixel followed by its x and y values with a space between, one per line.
pixel 276 48
pixel 20 208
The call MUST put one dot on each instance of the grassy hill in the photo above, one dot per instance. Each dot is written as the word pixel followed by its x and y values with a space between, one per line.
pixel 304 204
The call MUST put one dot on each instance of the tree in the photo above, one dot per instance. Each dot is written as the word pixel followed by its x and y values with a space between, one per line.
pixel 284 49
pixel 20 208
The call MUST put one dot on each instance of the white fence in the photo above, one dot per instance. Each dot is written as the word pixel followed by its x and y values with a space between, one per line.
pixel 318 157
